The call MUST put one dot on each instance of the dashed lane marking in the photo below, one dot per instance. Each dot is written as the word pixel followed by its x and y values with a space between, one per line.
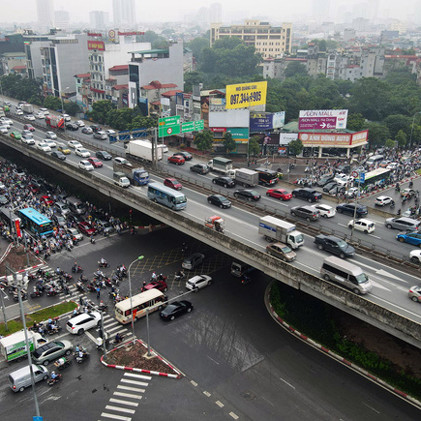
pixel 220 404
pixel 206 393
pixel 233 415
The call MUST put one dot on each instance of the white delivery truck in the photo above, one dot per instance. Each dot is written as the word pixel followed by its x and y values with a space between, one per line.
pixel 28 108
pixel 121 180
pixel 143 149
pixel 247 178
pixel 13 346
pixel 222 166
pixel 275 229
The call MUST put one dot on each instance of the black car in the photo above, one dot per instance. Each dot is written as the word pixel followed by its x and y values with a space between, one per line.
pixel 349 208
pixel 325 180
pixel 58 155
pixel 72 126
pixel 308 194
pixel 74 218
pixel 329 186
pixel 224 181
pixel 175 309
pixel 103 155
pixel 218 200
pixel 334 245
pixel 200 168
pixel 95 128
pixel 186 155
pixel 87 130
pixel 247 195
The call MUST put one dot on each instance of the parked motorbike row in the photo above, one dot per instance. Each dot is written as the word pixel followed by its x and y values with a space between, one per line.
pixel 49 327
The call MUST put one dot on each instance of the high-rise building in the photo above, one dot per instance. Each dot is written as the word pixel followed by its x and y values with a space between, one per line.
pixel 124 13
pixel 45 13
pixel 98 19
pixel 61 19
pixel 215 12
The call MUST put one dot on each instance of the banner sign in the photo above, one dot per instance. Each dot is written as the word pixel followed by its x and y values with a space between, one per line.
pixel 168 126
pixel 96 45
pixel 245 95
pixel 266 121
pixel 322 119
pixel 17 226
pixel 239 133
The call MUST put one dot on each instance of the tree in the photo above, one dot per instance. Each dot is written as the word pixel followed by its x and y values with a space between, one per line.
pixel 52 102
pixel 254 146
pixel 229 142
pixel 197 45
pixel 377 133
pixel 100 110
pixel 156 40
pixel 192 78
pixel 71 108
pixel 204 140
pixel 398 122
pixel 390 143
pixel 295 147
pixel 401 138
pixel 294 68
pixel 355 122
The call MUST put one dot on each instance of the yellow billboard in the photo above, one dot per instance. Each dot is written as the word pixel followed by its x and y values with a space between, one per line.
pixel 245 95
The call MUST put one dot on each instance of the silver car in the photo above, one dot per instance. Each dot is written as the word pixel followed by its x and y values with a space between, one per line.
pixel 403 223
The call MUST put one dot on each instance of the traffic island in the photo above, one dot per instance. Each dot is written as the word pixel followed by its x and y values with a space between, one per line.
pixel 134 357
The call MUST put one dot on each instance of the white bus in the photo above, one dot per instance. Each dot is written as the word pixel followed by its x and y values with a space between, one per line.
pixel 165 196
pixel 139 304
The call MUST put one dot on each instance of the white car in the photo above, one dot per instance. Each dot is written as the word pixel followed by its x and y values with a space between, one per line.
pixel 44 111
pixel 198 282
pixel 86 165
pixel 82 152
pixel 43 147
pixel 325 210
pixel 51 135
pixel 19 112
pixel 74 144
pixel 364 225
pixel 110 132
pixel 383 200
pixel 50 143
pixel 415 256
pixel 3 123
pixel 28 140
pixel 82 322
pixel 40 115
pixel 392 166
pixel 352 192
pixel 4 130
pixel 80 123
pixel 66 117
pixel 122 161
pixel 7 121
pixel 30 117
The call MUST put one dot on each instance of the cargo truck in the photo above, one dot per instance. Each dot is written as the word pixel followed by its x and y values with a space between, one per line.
pixel 246 177
pixel 137 176
pixel 121 180
pixel 143 149
pixel 54 122
pixel 275 229
pixel 13 347
pixel 222 166
pixel 267 177
pixel 28 108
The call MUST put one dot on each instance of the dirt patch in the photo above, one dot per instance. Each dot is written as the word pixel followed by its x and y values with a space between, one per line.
pixel 134 355
pixel 18 259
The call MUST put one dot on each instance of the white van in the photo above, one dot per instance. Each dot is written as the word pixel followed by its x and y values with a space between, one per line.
pixel 374 160
pixel 346 274
pixel 20 379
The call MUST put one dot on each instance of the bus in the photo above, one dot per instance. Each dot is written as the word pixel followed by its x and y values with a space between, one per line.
pixel 150 301
pixel 166 196
pixel 35 222
pixel 377 176
pixel 374 160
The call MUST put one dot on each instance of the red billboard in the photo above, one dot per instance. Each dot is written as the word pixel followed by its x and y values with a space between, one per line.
pixel 329 140
pixel 96 45
pixel 322 119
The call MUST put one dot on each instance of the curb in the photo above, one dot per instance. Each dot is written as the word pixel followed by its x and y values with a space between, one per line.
pixel 336 356
pixel 141 370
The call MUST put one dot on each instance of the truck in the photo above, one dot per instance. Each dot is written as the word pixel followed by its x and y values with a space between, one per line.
pixel 274 229
pixel 246 177
pixel 13 347
pixel 54 122
pixel 267 177
pixel 28 108
pixel 137 176
pixel 222 166
pixel 143 149
pixel 120 179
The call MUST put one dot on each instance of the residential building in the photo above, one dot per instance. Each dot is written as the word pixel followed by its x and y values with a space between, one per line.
pixel 153 93
pixel 124 14
pixel 271 42
pixel 45 14
pixel 13 63
pixel 83 90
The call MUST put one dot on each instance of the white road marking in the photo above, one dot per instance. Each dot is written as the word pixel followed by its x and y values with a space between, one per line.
pixel 127 395
pixel 399 307
pixel 121 401
pixel 134 382
pixel 111 323
pixel 132 389
pixel 368 406
pixel 375 236
pixel 234 415
pixel 115 417
pixel 138 376
pixel 114 328
pixel 216 362
pixel 220 404
pixel 206 393
pixel 117 408
pixel 385 273
pixel 289 384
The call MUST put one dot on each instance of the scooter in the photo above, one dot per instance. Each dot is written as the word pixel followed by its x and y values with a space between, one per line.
pixel 80 359
pixel 36 294
pixel 104 264
pixel 52 382
pixel 180 276
pixel 77 269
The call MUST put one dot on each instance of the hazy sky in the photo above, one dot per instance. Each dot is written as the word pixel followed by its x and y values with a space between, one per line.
pixel 162 10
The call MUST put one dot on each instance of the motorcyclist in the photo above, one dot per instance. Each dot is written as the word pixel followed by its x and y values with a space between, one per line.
pixel 103 261
pixel 153 276
pixel 54 375
pixel 118 337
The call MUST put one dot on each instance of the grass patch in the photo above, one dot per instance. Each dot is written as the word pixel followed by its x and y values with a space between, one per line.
pixel 39 316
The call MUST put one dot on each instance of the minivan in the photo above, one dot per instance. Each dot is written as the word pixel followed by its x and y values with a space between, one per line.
pixel 346 274
pixel 77 206
pixel 20 379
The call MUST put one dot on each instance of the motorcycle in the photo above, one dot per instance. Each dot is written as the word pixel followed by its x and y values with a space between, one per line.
pixel 79 286
pixel 80 358
pixel 118 339
pixel 52 292
pixel 52 382
pixel 67 276
pixel 54 329
pixel 77 269
pixel 90 287
pixel 103 264
pixel 36 293
pixel 397 188
pixel 180 276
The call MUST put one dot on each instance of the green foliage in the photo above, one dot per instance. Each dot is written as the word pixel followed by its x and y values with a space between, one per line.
pixel 197 45
pixel 204 140
pixel 71 108
pixel 377 133
pixel 192 78
pixel 355 122
pixel 401 138
pixel 229 142
pixel 140 121
pixel 416 134
pixel 52 102
pixel 156 40
pixel 21 88
pixel 295 68
pixel 254 146
pixel 100 110
pixel 390 143
pixel 398 122
pixel 295 147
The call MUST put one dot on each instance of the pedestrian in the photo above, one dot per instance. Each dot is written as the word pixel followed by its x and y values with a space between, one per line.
pixel 98 292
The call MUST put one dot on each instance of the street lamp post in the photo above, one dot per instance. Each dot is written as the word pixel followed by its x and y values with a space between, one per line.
pixel 130 293
pixel 62 106
pixel 412 128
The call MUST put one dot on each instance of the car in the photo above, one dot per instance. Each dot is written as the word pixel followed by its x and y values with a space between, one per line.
pixel 3 200
pixel 329 186
pixel 110 132
pixel 224 181
pixel 51 351
pixel 219 200
pixel 393 166
pixel 173 183
pixel 200 168
pixel 51 135
pixel 4 123
pixel 352 208
pixel 40 115
pixel 82 152
pixel 16 135
pixel 307 193
pixel 175 309
pixel 104 226
pixel 176 159
pixel 414 293
pixel 306 212
pixel 101 135
pixel 74 144
pixel 403 223
pixel 415 256
pixel 44 110
pixel 66 117
pixel 29 117
pixel 19 112
pixel 4 130
pixel 364 225
pixel 80 123
pixel 87 130
pixel 408 193
pixel 192 261
pixel 50 143
pixel 383 200
pixel 122 161
pixel 62 208
pixel 27 133
pixel 28 140
pixel 281 251
pixel 64 150
pixel 103 155
pixel 325 180
pixel 46 200
pixel 82 322
pixel 95 128
pixel 85 165
pixel 74 234
pixel 186 155
pixel 158 284
pixel 58 155
pixel 86 228
pixel 334 245
pixel 96 163
pixel 59 221
pixel 326 211
pixel 351 192
pixel 247 194
pixel 413 238
pixel 29 127
pixel 280 194
pixel 198 282
pixel 72 126
pixel 43 147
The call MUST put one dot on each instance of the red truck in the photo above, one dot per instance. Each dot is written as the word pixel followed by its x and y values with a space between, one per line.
pixel 54 122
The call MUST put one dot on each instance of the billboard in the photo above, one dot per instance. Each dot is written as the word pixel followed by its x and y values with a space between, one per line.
pixel 96 45
pixel 266 121
pixel 329 140
pixel 239 134
pixel 245 95
pixel 229 118
pixel 285 138
pixel 322 119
